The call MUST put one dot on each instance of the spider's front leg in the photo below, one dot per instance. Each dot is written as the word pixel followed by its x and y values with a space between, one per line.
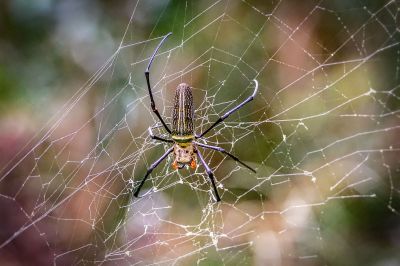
pixel 150 169
pixel 226 153
pixel 209 173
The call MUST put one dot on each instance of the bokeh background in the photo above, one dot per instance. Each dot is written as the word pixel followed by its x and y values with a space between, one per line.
pixel 323 132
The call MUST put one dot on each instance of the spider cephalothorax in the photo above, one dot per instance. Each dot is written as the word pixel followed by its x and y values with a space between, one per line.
pixel 185 148
pixel 184 155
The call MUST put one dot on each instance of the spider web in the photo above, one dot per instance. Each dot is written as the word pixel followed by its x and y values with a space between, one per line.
pixel 322 133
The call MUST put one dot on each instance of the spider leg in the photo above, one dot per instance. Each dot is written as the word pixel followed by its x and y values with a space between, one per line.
pixel 222 118
pixel 147 74
pixel 226 153
pixel 151 168
pixel 157 137
pixel 210 174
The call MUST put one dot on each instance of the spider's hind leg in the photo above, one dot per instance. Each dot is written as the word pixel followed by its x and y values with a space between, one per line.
pixel 222 118
pixel 151 134
pixel 147 75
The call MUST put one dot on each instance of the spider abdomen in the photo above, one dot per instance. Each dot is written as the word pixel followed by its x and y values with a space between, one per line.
pixel 182 115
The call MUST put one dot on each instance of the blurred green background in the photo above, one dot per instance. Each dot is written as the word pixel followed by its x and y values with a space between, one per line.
pixel 323 132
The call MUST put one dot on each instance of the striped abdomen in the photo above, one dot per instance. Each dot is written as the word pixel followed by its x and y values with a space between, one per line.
pixel 182 115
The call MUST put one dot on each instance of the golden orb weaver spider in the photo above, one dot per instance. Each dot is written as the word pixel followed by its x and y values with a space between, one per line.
pixel 185 146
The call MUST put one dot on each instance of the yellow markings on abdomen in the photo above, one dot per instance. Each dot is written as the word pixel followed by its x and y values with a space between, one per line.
pixel 182 140
pixel 182 115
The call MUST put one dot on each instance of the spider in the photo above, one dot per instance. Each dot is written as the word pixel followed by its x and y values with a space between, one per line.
pixel 185 146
